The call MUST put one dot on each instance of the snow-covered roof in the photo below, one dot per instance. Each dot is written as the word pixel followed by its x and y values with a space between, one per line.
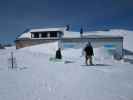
pixel 28 33
pixel 48 29
pixel 25 35
pixel 72 34
pixel 112 33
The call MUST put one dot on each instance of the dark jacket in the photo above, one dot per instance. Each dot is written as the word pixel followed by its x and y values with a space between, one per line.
pixel 89 50
pixel 58 54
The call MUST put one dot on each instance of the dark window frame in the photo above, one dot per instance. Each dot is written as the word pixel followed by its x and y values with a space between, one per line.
pixel 35 35
pixel 44 34
pixel 53 34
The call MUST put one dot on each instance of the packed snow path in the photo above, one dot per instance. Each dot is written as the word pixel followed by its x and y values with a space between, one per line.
pixel 36 78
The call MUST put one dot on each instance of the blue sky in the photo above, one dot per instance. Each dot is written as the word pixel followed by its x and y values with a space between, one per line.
pixel 18 15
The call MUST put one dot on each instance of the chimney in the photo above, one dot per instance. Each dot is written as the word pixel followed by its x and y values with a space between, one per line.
pixel 81 32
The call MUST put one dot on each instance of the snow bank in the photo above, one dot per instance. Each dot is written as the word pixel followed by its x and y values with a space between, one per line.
pixel 102 52
pixel 101 55
pixel 128 36
pixel 46 48
pixel 72 53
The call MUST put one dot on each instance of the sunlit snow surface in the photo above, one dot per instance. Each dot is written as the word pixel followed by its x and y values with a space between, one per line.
pixel 37 78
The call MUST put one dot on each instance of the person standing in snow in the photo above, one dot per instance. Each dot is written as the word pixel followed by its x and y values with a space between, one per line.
pixel 88 53
pixel 58 54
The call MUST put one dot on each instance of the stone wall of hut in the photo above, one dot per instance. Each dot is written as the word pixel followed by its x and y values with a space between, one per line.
pixel 21 43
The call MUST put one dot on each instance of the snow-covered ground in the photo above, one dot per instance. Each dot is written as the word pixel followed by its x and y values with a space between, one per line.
pixel 37 78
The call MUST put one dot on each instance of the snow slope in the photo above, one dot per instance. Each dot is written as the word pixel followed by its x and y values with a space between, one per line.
pixel 37 78
pixel 48 48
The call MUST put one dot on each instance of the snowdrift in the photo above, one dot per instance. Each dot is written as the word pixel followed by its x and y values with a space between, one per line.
pixel 46 48
pixel 100 54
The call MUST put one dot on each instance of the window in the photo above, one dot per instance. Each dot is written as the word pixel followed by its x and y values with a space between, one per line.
pixel 53 34
pixel 35 35
pixel 44 34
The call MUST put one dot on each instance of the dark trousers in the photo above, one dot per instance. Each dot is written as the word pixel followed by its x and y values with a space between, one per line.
pixel 88 57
